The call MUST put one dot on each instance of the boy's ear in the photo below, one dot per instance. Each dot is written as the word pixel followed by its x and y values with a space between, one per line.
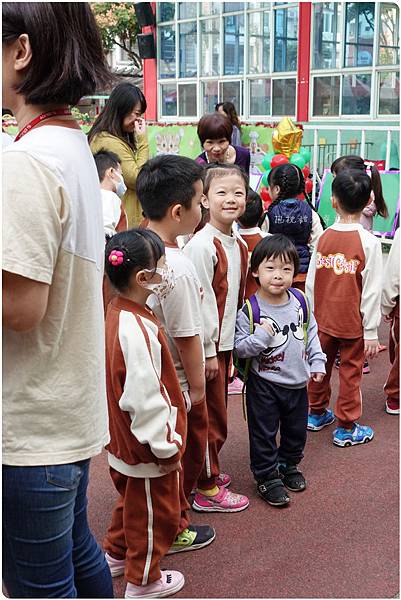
pixel 334 203
pixel 205 201
pixel 176 212
pixel 108 172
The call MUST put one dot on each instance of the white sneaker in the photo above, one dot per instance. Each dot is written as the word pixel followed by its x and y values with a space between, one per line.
pixel 169 583
pixel 116 566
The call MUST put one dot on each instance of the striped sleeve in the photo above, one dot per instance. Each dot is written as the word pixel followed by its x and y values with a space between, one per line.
pixel 391 283
pixel 153 418
pixel 371 285
pixel 204 258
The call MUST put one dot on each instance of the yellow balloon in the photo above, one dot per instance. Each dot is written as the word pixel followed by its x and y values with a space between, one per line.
pixel 287 138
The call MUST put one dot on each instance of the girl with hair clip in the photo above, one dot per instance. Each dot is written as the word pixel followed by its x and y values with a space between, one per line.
pixel 377 204
pixel 147 418
pixel 296 219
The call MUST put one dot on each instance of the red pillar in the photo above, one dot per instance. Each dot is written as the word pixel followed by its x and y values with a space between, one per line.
pixel 150 78
pixel 304 50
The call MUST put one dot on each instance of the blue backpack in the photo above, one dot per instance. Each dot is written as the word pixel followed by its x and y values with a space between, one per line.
pixel 252 310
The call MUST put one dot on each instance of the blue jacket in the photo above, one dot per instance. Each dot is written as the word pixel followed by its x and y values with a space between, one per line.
pixel 293 218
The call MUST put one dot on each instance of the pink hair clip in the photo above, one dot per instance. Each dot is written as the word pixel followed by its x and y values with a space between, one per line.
pixel 116 258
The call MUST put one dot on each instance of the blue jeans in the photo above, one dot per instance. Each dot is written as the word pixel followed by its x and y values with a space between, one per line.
pixel 48 548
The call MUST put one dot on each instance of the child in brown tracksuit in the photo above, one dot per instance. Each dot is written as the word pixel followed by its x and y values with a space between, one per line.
pixel 251 233
pixel 344 285
pixel 220 258
pixel 391 310
pixel 147 418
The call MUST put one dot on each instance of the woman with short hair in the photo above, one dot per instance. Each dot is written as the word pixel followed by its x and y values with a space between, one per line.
pixel 214 132
pixel 121 129
pixel 54 393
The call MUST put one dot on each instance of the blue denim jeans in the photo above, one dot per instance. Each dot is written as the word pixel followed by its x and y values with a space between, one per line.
pixel 48 548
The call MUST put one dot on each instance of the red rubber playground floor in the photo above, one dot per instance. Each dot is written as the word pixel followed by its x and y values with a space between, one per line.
pixel 338 539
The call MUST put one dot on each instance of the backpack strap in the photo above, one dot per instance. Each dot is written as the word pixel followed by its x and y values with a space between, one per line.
pixel 253 309
pixel 302 299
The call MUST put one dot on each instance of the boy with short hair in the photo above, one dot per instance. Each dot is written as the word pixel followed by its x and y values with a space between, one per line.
pixel 220 257
pixel 251 233
pixel 285 350
pixel 112 189
pixel 170 190
pixel 344 283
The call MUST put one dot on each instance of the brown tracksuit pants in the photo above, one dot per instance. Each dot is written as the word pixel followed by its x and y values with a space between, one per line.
pixel 144 523
pixel 392 385
pixel 348 407
pixel 216 401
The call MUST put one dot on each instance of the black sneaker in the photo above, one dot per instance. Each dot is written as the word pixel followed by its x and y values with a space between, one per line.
pixel 193 538
pixel 292 478
pixel 272 491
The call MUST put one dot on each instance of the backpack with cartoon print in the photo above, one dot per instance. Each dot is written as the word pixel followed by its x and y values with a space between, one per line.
pixel 252 310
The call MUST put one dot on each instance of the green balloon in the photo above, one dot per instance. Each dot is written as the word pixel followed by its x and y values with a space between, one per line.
pixel 265 183
pixel 267 159
pixel 305 153
pixel 298 160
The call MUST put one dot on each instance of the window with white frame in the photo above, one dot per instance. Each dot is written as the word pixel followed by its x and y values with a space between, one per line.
pixel 355 59
pixel 243 52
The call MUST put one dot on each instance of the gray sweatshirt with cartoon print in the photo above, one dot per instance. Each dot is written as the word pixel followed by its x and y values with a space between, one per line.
pixel 281 358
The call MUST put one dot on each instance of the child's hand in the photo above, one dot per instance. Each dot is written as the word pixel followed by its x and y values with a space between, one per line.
pixel 140 126
pixel 176 466
pixel 211 368
pixel 388 318
pixel 197 396
pixel 317 377
pixel 371 348
pixel 267 327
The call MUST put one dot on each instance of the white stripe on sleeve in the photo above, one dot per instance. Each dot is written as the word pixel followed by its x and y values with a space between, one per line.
pixel 153 418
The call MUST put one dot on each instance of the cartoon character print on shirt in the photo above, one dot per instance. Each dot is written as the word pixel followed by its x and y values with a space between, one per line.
pixel 268 362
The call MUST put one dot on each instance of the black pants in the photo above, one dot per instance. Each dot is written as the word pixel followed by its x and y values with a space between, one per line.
pixel 270 407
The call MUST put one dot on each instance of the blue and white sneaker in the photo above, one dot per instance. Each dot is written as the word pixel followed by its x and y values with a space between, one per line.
pixel 360 434
pixel 317 422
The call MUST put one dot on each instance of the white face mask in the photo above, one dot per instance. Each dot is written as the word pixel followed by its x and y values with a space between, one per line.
pixel 121 188
pixel 167 284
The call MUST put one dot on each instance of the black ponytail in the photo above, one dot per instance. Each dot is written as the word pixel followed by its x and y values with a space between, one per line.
pixel 357 162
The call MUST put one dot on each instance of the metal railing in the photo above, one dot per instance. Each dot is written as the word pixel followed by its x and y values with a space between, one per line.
pixel 327 153
pixel 362 146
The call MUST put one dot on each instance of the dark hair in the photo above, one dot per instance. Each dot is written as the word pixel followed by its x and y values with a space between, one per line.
pixel 141 249
pixel 214 127
pixel 67 54
pixel 274 246
pixel 352 189
pixel 290 180
pixel 122 100
pixel 231 113
pixel 213 170
pixel 164 181
pixel 253 210
pixel 356 162
pixel 105 160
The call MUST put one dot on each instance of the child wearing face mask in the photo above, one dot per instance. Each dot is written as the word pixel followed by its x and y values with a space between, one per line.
pixel 147 418
pixel 112 188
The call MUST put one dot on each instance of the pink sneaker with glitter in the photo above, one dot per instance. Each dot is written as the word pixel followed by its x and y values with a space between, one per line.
pixel 116 566
pixel 235 387
pixel 224 501
pixel 169 583
pixel 223 480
